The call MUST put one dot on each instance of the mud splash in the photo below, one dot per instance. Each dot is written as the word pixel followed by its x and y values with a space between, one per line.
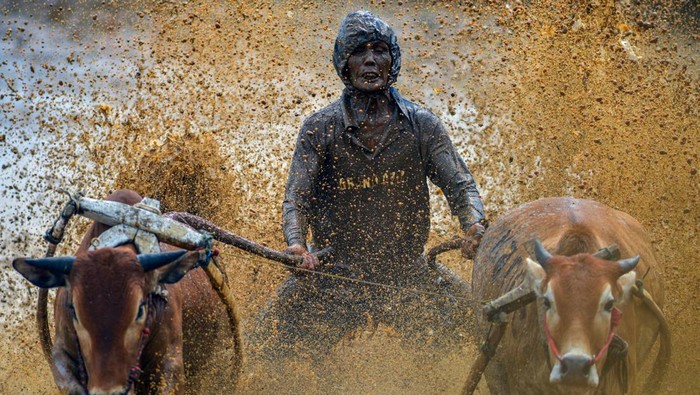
pixel 198 104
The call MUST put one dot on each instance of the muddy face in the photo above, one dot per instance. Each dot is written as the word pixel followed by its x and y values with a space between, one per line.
pixel 369 66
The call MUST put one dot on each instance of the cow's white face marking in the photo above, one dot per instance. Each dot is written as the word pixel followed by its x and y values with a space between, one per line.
pixel 135 330
pixel 82 333
pixel 606 298
pixel 557 373
pixel 550 304
pixel 606 303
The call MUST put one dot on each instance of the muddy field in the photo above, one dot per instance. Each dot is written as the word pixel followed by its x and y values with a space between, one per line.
pixel 198 104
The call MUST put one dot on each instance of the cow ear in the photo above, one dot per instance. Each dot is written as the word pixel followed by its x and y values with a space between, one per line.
pixel 175 270
pixel 42 277
pixel 626 283
pixel 535 276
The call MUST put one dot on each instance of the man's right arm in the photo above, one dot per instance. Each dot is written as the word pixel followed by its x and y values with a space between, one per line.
pixel 303 173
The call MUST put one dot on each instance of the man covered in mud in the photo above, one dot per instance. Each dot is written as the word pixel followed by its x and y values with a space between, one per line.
pixel 358 179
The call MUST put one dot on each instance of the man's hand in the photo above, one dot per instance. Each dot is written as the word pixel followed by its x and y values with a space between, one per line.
pixel 472 239
pixel 310 260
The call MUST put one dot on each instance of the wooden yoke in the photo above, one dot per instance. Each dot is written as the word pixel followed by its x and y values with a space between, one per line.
pixel 145 227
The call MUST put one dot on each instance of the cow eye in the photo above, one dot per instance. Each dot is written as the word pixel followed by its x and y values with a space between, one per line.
pixel 609 305
pixel 71 307
pixel 142 309
pixel 547 303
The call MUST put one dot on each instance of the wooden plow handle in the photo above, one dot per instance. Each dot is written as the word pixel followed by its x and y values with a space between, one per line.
pixel 244 244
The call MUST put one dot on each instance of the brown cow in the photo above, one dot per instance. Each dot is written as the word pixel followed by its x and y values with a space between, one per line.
pixel 120 321
pixel 561 343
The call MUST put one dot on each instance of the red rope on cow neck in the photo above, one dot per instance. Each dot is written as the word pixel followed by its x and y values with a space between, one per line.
pixel 134 373
pixel 615 317
pixel 552 345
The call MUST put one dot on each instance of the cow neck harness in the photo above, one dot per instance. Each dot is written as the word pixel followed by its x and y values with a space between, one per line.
pixel 615 317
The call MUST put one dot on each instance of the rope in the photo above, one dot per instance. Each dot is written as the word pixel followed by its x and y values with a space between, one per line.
pixel 660 367
pixel 350 279
pixel 53 236
pixel 210 252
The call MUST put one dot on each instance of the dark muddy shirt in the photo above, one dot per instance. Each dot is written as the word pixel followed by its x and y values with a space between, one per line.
pixel 373 207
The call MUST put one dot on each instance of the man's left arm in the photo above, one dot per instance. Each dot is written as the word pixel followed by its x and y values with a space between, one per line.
pixel 447 170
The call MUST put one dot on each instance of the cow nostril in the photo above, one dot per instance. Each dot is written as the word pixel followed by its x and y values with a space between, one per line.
pixel 576 365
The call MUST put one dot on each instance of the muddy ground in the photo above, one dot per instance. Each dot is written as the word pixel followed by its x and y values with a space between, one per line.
pixel 198 104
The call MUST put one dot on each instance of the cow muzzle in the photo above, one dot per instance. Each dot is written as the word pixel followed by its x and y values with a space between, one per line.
pixel 117 390
pixel 575 370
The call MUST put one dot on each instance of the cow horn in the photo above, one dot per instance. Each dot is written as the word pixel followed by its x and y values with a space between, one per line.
pixel 542 255
pixel 154 261
pixel 628 264
pixel 63 264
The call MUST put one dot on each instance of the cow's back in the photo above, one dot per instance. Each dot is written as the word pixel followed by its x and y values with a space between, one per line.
pixel 500 266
